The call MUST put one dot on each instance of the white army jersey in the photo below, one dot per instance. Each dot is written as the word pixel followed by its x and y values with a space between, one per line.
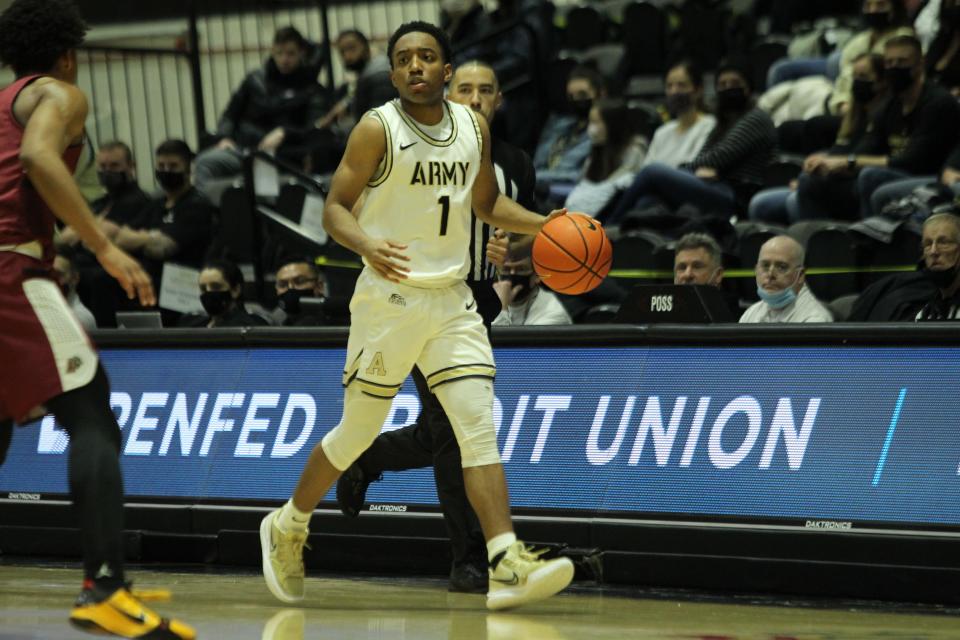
pixel 422 191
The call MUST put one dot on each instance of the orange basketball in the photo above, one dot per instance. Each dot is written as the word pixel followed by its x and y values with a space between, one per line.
pixel 572 254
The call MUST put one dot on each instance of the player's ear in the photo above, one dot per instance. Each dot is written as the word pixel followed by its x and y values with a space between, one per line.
pixel 447 72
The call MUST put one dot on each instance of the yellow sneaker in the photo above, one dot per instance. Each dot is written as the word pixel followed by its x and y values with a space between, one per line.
pixel 121 614
pixel 282 554
pixel 521 577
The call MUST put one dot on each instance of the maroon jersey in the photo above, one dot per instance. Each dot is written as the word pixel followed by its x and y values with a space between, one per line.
pixel 24 216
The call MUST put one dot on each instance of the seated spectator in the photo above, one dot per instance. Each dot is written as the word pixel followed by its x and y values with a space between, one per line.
pixel 781 285
pixel 698 260
pixel 912 134
pixel 943 55
pixel 178 225
pixel 221 294
pixel 564 145
pixel 780 205
pixel 274 110
pixel 941 265
pixel 68 278
pixel 727 171
pixel 616 155
pixel 117 174
pixel 680 140
pixel 524 299
pixel 299 278
pixel 372 86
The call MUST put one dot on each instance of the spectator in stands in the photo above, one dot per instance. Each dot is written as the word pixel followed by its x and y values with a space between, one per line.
pixel 912 134
pixel 564 143
pixel 616 155
pixel 680 140
pixel 221 294
pixel 274 110
pixel 299 278
pixel 178 225
pixel 68 278
pixel 943 56
pixel 781 206
pixel 784 296
pixel 371 88
pixel 524 300
pixel 885 20
pixel 730 167
pixel 941 265
pixel 698 260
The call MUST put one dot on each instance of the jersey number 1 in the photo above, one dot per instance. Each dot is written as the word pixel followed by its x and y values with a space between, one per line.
pixel 444 214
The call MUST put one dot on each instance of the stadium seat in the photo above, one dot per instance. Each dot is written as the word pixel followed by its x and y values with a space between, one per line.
pixel 762 57
pixel 842 306
pixel 644 33
pixel 585 28
pixel 829 244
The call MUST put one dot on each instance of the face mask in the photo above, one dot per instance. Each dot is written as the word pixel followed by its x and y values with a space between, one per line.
pixel 900 78
pixel 878 20
pixel 215 302
pixel 732 99
pixel 596 133
pixel 580 108
pixel 113 180
pixel 679 103
pixel 779 299
pixel 864 91
pixel 356 66
pixel 521 280
pixel 290 300
pixel 943 278
pixel 171 180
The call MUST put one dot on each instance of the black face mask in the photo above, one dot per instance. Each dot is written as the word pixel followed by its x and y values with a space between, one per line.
pixel 900 78
pixel 171 180
pixel 944 278
pixel 877 20
pixel 113 180
pixel 521 280
pixel 679 103
pixel 215 303
pixel 580 108
pixel 289 300
pixel 732 99
pixel 356 66
pixel 864 90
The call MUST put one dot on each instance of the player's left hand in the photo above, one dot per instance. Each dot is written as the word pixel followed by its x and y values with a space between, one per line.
pixel 497 248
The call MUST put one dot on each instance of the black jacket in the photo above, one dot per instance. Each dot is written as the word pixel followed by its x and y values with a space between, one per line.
pixel 268 99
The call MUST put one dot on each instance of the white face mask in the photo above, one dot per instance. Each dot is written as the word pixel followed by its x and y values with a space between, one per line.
pixel 597 133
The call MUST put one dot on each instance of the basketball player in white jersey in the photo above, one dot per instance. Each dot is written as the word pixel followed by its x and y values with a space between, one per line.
pixel 420 164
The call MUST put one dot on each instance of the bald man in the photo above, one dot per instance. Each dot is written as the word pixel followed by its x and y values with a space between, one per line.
pixel 781 285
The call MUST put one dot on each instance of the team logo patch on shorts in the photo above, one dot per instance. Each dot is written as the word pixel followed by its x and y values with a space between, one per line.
pixel 398 300
pixel 74 364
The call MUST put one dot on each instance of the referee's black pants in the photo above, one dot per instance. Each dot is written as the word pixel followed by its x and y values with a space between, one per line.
pixel 430 441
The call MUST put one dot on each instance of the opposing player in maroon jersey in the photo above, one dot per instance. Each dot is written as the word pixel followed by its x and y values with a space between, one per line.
pixel 47 363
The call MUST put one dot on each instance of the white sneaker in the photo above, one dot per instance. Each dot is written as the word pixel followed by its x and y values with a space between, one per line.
pixel 282 553
pixel 521 577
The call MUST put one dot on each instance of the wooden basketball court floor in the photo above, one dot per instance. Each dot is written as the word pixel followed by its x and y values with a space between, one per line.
pixel 34 600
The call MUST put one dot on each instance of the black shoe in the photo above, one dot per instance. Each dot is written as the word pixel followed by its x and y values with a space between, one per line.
pixel 468 578
pixel 352 490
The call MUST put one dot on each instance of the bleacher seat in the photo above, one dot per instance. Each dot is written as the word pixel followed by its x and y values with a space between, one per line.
pixel 585 28
pixel 644 33
pixel 829 244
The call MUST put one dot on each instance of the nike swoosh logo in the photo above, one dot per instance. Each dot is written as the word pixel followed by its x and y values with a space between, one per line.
pixel 471 305
pixel 140 617
pixel 510 583
pixel 403 147
pixel 591 226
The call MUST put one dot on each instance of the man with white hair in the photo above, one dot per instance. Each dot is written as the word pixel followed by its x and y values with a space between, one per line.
pixel 781 285
pixel 941 265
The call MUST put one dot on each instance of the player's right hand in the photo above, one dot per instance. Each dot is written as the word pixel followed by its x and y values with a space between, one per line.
pixel 128 273
pixel 386 258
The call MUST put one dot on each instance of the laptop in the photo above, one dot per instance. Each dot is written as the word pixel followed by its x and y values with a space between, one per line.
pixel 139 320
pixel 677 303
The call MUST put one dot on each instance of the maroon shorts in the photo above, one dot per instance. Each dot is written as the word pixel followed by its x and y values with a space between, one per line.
pixel 43 349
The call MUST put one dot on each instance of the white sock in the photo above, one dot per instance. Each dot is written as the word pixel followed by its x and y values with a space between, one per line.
pixel 292 519
pixel 498 544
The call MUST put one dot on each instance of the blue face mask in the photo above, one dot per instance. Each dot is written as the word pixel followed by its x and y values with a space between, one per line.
pixel 777 300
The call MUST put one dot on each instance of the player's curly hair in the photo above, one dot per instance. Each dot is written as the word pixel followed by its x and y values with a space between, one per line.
pixel 419 26
pixel 35 33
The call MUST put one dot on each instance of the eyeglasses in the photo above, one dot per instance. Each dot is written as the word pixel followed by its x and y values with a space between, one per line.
pixel 776 268
pixel 942 243
pixel 295 283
